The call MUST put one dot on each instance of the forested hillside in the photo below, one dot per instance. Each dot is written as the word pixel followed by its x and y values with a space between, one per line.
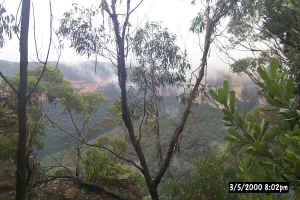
pixel 142 117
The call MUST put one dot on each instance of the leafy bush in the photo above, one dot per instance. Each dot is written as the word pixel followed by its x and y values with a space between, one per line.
pixel 209 180
pixel 266 144
pixel 99 166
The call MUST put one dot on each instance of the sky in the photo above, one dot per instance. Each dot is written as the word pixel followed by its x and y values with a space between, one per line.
pixel 176 15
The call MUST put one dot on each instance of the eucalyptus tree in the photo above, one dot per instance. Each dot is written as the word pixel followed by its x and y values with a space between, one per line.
pixel 119 15
pixel 81 109
pixel 160 63
pixel 22 175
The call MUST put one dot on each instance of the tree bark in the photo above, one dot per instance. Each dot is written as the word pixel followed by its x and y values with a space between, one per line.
pixel 22 152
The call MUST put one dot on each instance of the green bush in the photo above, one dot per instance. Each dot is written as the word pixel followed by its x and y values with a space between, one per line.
pixel 209 180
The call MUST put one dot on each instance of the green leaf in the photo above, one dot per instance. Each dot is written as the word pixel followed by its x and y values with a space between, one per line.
pixel 232 101
pixel 235 134
pixel 273 68
pixel 224 92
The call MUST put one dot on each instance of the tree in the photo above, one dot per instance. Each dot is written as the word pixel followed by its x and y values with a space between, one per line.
pixel 81 109
pixel 120 29
pixel 22 175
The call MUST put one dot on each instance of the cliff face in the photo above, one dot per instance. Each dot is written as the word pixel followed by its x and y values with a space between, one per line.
pixel 84 86
pixel 245 89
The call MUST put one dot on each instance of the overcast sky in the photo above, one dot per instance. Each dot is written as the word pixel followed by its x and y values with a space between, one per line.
pixel 176 15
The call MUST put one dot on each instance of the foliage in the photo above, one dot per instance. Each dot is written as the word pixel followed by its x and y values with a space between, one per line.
pixel 265 142
pixel 117 145
pixel 156 52
pixel 271 22
pixel 7 25
pixel 207 181
pixel 34 115
pixel 77 26
pixel 8 120
pixel 99 167
pixel 52 87
pixel 8 147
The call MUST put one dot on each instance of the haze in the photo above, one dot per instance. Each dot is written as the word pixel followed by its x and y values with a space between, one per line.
pixel 176 15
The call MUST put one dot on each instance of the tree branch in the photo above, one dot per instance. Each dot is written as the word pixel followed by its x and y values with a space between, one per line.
pixel 144 112
pixel 73 122
pixel 138 5
pixel 117 155
pixel 57 126
pixel 48 52
pixel 8 83
pixel 91 145
pixel 126 21
pixel 211 23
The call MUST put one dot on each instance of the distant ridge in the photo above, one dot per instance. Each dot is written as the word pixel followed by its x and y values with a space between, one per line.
pixel 82 75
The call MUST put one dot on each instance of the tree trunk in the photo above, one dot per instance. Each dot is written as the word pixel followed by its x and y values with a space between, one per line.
pixel 122 76
pixel 78 156
pixel 153 192
pixel 22 152
pixel 298 87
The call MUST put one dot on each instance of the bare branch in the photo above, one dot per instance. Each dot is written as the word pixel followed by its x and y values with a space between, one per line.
pixel 59 55
pixel 104 5
pixel 34 34
pixel 57 126
pixel 138 5
pixel 91 145
pixel 211 23
pixel 8 83
pixel 73 121
pixel 49 47
pixel 116 154
pixel 144 112
pixel 126 21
